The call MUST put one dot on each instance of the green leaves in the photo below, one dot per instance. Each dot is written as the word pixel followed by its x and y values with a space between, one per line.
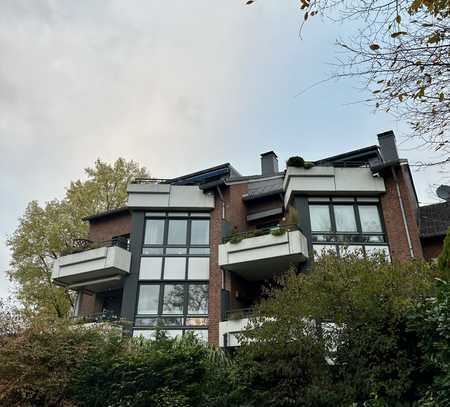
pixel 46 231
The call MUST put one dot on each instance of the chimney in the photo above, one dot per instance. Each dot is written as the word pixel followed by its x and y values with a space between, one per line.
pixel 388 146
pixel 269 163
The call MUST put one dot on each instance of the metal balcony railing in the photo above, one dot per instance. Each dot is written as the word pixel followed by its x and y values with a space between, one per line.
pixel 100 318
pixel 239 313
pixel 82 245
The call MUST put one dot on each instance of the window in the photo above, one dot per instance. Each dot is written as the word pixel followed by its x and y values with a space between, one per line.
pixel 370 219
pixel 150 268
pixel 174 273
pixel 177 232
pixel 148 299
pixel 173 299
pixel 175 268
pixel 198 268
pixel 345 218
pixel 154 231
pixel 346 225
pixel 200 232
pixel 198 299
pixel 320 218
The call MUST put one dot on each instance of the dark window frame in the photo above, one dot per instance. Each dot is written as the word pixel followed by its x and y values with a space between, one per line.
pixel 356 238
pixel 162 283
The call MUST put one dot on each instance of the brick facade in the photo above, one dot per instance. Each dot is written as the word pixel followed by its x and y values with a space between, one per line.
pixel 108 227
pixel 215 274
pixel 393 218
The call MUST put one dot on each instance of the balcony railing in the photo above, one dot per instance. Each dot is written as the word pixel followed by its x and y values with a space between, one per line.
pixel 274 231
pixel 150 181
pixel 105 318
pixel 81 245
pixel 238 313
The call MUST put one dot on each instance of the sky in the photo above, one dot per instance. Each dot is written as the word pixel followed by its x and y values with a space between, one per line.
pixel 176 86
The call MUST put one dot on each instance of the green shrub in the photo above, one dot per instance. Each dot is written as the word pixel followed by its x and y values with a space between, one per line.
pixel 138 372
pixel 38 360
pixel 295 161
pixel 278 232
pixel 368 356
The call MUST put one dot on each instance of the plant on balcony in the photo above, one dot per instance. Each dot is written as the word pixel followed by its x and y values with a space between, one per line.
pixel 299 162
pixel 235 238
pixel 278 231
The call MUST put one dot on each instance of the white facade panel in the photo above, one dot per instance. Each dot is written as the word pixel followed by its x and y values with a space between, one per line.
pixel 162 196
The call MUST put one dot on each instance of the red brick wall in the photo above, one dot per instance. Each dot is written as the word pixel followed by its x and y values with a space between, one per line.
pixel 89 304
pixel 108 227
pixel 215 276
pixel 235 210
pixel 432 247
pixel 393 219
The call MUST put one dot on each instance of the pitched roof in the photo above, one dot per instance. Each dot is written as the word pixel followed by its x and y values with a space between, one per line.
pixel 434 220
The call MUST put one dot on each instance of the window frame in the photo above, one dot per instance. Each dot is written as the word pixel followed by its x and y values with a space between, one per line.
pixel 336 239
pixel 161 282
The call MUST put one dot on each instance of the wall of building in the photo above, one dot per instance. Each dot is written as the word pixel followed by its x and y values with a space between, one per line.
pixel 108 227
pixel 215 274
pixel 393 218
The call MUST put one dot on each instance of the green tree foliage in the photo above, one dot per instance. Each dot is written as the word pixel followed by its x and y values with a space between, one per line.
pixel 44 232
pixel 38 361
pixel 365 354
pixel 444 258
pixel 399 51
pixel 164 372
pixel 430 321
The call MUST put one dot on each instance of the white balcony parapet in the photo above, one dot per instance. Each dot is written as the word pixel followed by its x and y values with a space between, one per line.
pixel 331 180
pixel 166 196
pixel 95 269
pixel 262 257
pixel 229 332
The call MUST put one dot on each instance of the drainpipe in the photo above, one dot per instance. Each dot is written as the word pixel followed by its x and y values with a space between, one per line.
pixel 402 209
pixel 219 192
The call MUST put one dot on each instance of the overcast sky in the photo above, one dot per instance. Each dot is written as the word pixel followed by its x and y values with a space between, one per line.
pixel 175 85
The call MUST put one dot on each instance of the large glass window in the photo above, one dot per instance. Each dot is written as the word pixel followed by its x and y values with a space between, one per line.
pixel 200 232
pixel 151 268
pixel 148 299
pixel 177 231
pixel 320 218
pixel 175 268
pixel 370 219
pixel 173 299
pixel 154 231
pixel 198 268
pixel 198 299
pixel 345 218
pixel 174 273
pixel 346 225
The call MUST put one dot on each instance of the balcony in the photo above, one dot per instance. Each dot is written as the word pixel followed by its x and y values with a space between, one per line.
pixel 236 322
pixel 95 267
pixel 261 254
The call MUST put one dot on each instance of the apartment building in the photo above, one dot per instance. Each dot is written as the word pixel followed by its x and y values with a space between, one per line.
pixel 192 253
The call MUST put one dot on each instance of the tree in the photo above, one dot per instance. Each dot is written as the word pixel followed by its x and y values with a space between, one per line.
pixel 400 54
pixel 430 320
pixel 39 360
pixel 337 335
pixel 444 258
pixel 45 232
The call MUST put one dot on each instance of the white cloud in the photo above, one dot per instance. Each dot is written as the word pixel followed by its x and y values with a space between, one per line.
pixel 175 85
